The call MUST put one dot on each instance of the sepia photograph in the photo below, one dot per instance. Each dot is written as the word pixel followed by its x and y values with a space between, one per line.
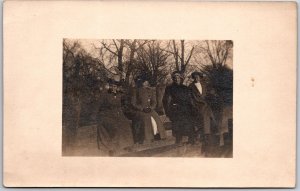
pixel 150 94
pixel 147 98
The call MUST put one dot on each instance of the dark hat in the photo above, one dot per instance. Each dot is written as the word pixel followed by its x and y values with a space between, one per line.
pixel 139 80
pixel 142 78
pixel 176 73
pixel 194 74
pixel 114 82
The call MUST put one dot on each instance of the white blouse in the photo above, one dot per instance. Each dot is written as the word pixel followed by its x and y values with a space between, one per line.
pixel 199 87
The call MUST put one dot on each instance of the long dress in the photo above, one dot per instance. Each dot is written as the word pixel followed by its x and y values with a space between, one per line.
pixel 114 129
pixel 145 97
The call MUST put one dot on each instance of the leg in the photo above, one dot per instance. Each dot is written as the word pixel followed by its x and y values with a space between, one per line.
pixel 206 145
pixel 140 134
pixel 134 130
pixel 178 137
pixel 176 131
pixel 190 132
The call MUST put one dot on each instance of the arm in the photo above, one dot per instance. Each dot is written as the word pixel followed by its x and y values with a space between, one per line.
pixel 100 101
pixel 195 96
pixel 196 101
pixel 166 100
pixel 134 103
pixel 153 101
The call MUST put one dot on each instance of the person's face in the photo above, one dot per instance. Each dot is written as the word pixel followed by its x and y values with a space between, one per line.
pixel 145 83
pixel 114 87
pixel 177 80
pixel 197 78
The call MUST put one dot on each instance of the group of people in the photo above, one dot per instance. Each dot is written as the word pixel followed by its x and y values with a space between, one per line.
pixel 185 106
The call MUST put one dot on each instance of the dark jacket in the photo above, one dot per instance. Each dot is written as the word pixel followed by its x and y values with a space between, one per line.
pixel 178 107
pixel 177 102
pixel 198 99
pixel 202 111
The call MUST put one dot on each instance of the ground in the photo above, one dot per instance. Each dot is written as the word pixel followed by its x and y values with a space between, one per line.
pixel 85 144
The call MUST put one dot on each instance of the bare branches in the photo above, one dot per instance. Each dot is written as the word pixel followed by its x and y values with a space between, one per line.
pixel 181 62
pixel 217 51
pixel 152 61
pixel 130 57
pixel 108 49
pixel 189 57
pixel 116 45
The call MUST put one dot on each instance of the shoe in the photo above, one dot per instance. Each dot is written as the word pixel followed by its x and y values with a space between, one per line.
pixel 157 137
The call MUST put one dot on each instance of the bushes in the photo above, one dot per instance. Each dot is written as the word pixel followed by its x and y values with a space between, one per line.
pixel 220 86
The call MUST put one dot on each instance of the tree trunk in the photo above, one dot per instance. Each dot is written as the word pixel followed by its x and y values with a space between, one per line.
pixel 176 56
pixel 131 61
pixel 182 69
pixel 120 57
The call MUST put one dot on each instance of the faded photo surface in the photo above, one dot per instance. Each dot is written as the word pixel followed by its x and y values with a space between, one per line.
pixel 147 98
pixel 149 94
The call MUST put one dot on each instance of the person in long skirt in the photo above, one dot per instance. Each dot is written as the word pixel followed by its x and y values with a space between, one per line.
pixel 144 101
pixel 177 103
pixel 114 129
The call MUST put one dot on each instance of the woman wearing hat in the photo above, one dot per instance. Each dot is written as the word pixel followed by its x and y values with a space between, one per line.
pixel 178 107
pixel 144 101
pixel 114 130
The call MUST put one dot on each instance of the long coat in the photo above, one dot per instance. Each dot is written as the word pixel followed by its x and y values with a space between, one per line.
pixel 114 129
pixel 142 98
pixel 178 107
pixel 203 112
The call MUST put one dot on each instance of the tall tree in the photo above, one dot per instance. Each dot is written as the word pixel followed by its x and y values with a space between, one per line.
pixel 133 47
pixel 119 55
pixel 152 61
pixel 217 51
pixel 116 49
pixel 178 50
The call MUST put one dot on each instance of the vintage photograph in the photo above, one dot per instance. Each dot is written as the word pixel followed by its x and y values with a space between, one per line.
pixel 142 94
pixel 147 98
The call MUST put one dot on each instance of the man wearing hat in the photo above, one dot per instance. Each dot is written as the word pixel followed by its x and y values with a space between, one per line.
pixel 203 114
pixel 178 107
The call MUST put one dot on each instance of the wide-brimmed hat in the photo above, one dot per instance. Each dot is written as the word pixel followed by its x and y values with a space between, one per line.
pixel 142 78
pixel 114 82
pixel 194 74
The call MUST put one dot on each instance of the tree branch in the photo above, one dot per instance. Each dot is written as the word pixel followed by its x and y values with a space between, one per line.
pixel 104 45
pixel 116 45
pixel 191 53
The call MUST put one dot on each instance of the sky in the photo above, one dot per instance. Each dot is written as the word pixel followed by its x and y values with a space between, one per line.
pixel 89 46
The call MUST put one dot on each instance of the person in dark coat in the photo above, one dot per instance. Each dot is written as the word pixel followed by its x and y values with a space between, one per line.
pixel 203 115
pixel 144 101
pixel 114 129
pixel 178 107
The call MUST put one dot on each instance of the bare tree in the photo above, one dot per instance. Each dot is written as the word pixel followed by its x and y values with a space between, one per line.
pixel 116 48
pixel 133 47
pixel 152 61
pixel 178 50
pixel 119 55
pixel 217 51
pixel 111 54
